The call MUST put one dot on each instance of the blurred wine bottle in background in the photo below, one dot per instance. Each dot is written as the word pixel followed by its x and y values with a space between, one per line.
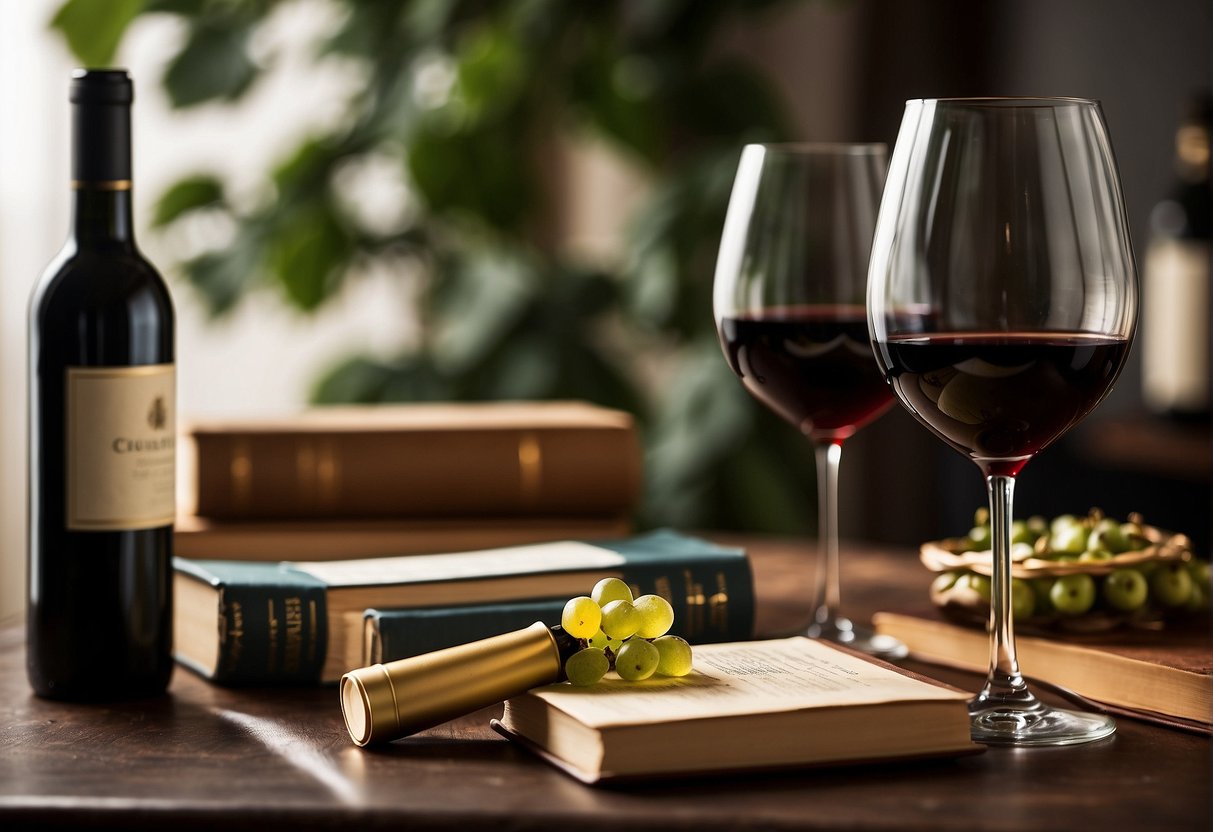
pixel 102 435
pixel 1176 344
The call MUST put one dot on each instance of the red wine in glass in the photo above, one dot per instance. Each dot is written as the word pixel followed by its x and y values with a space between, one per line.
pixel 812 365
pixel 1000 398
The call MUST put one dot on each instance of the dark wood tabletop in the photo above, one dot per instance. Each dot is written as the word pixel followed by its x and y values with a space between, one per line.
pixel 209 757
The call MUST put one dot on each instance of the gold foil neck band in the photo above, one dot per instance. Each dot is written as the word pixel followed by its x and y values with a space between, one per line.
pixel 101 185
pixel 530 469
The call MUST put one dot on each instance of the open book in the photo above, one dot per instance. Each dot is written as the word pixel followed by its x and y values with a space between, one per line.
pixel 746 705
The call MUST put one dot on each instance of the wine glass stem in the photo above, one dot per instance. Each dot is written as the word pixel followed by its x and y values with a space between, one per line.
pixel 827 596
pixel 1004 682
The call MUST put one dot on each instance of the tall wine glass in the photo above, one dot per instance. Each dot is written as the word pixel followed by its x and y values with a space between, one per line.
pixel 1002 300
pixel 789 306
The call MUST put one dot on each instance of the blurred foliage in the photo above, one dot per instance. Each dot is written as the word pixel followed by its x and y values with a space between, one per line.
pixel 466 99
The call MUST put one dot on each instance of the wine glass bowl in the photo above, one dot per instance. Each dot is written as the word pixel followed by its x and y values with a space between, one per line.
pixel 789 297
pixel 1002 300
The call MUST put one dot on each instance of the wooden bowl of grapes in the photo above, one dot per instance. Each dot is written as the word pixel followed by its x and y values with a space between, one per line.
pixel 1074 574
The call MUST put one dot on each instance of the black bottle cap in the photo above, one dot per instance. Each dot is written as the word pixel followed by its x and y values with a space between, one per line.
pixel 101 128
pixel 101 86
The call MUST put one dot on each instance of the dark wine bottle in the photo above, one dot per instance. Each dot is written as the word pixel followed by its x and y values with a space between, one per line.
pixel 102 433
pixel 1176 335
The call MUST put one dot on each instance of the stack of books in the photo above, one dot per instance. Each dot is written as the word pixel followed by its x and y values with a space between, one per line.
pixel 348 536
pixel 368 481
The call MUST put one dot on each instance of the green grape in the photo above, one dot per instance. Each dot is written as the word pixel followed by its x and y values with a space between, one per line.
pixel 1199 599
pixel 656 616
pixel 1171 585
pixel 673 656
pixel 975 583
pixel 620 619
pixel 1063 520
pixel 1020 533
pixel 1109 536
pixel 1071 538
pixel 581 617
pixel 1041 587
pixel 1038 525
pixel 944 581
pixel 1125 590
pixel 1023 598
pixel 637 659
pixel 979 537
pixel 1073 594
pixel 1094 556
pixel 604 642
pixel 586 667
pixel 1199 570
pixel 610 589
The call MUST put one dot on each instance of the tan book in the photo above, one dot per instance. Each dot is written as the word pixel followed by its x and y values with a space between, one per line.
pixel 308 540
pixel 1169 675
pixel 537 459
pixel 745 706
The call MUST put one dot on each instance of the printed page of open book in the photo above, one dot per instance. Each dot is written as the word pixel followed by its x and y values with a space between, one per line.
pixel 745 678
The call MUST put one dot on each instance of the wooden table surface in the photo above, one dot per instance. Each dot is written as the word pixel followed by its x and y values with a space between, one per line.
pixel 208 757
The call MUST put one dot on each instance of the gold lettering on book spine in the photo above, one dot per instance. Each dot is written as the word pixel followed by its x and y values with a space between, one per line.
pixel 530 469
pixel 718 605
pixel 317 475
pixel 241 469
pixel 696 604
pixel 231 635
pixel 271 664
pixel 312 628
pixel 293 615
pixel 328 474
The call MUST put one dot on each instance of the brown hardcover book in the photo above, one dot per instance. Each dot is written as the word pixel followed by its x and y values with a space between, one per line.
pixel 424 460
pixel 745 706
pixel 308 540
pixel 1144 673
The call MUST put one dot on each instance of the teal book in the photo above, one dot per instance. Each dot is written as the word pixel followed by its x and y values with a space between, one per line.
pixel 248 623
pixel 701 617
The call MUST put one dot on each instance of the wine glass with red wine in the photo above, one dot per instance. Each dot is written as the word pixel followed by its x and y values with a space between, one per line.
pixel 1002 300
pixel 789 297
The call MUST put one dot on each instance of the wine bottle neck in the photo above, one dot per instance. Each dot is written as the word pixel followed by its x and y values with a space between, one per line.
pixel 102 215
pixel 101 156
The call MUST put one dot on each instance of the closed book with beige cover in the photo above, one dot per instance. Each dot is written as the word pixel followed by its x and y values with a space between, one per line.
pixel 745 706
pixel 424 460
pixel 1162 676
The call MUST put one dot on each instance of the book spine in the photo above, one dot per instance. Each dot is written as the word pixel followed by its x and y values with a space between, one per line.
pixel 713 602
pixel 558 472
pixel 271 634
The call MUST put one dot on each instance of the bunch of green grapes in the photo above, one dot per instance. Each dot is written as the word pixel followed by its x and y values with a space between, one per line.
pixel 621 633
pixel 1165 586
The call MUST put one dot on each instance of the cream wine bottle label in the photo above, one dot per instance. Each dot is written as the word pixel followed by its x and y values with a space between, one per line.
pixel 121 447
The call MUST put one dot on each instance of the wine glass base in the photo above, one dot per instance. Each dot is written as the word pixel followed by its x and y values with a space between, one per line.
pixel 1001 724
pixel 842 631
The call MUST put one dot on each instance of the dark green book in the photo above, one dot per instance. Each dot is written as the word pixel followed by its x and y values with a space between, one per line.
pixel 239 622
pixel 388 635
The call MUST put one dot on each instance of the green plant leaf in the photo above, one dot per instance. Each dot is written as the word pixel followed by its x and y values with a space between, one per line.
pixel 308 255
pixel 94 29
pixel 481 299
pixel 214 64
pixel 485 173
pixel 222 278
pixel 185 195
